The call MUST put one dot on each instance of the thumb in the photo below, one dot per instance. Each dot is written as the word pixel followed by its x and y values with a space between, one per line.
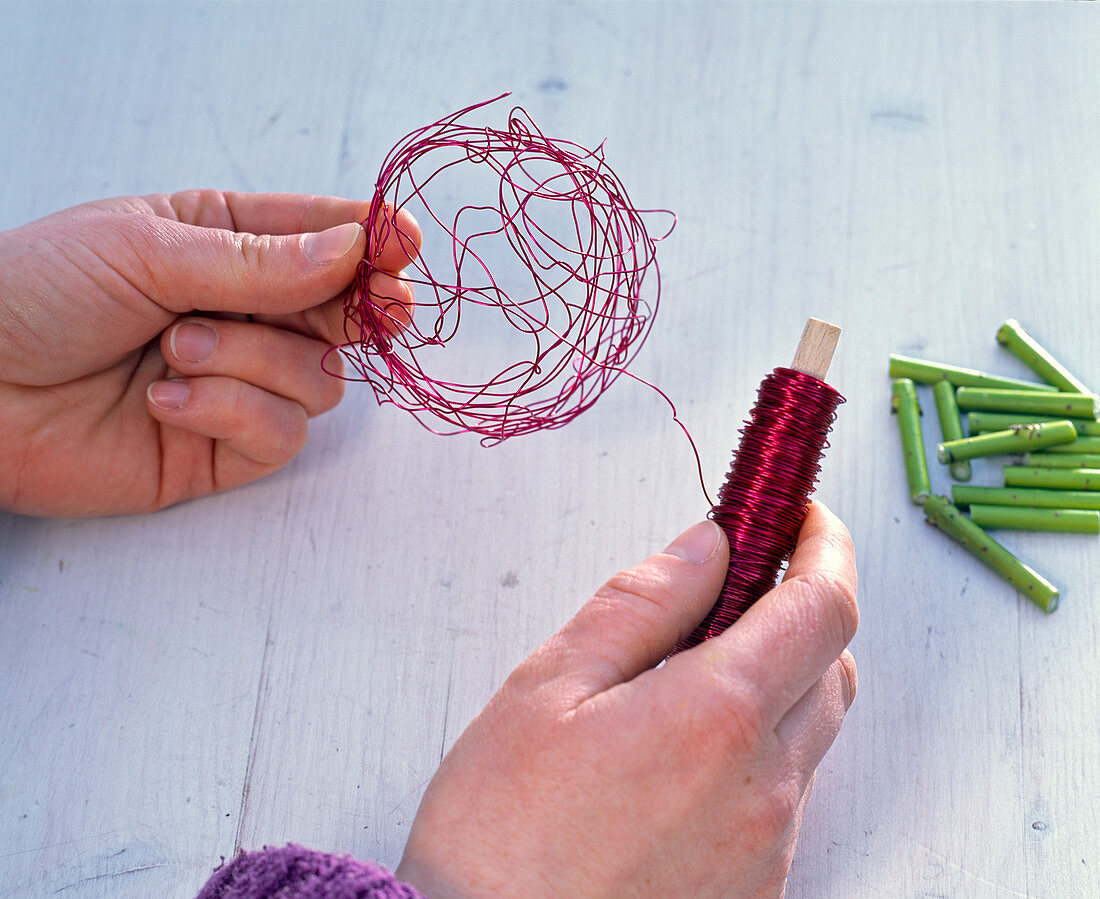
pixel 636 618
pixel 191 267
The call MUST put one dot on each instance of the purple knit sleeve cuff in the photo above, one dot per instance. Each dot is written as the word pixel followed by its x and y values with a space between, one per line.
pixel 295 872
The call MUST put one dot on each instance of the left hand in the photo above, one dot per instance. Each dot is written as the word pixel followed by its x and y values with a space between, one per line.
pixel 158 348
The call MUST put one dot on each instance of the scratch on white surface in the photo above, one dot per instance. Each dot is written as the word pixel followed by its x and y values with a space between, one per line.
pixel 77 883
pixel 900 118
pixel 446 716
pixel 82 839
pixel 977 878
pixel 447 698
pixel 897 267
pixel 261 691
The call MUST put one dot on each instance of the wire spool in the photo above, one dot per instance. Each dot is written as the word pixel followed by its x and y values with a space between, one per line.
pixel 763 501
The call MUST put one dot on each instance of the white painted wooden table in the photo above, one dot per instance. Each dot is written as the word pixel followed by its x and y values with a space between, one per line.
pixel 289 661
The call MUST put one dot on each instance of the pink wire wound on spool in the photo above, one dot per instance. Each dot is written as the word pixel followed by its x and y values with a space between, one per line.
pixel 763 502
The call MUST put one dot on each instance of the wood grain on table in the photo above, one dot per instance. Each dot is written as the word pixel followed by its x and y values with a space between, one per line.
pixel 289 662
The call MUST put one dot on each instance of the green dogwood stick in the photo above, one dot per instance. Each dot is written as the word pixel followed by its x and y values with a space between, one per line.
pixel 960 528
pixel 1063 460
pixel 1027 349
pixel 965 494
pixel 978 422
pixel 1032 518
pixel 907 410
pixel 1055 478
pixel 924 372
pixel 1019 439
pixel 950 424
pixel 1080 445
pixel 1065 405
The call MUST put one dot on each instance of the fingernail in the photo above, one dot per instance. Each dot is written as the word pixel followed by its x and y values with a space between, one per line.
pixel 697 544
pixel 192 341
pixel 169 394
pixel 325 247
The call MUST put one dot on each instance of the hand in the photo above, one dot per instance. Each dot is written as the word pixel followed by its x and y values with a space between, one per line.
pixel 118 395
pixel 593 773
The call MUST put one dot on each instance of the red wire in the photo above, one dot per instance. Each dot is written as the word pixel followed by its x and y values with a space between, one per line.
pixel 763 502
pixel 583 307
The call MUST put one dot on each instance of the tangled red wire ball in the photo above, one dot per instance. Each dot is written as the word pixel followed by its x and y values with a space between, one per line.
pixel 583 251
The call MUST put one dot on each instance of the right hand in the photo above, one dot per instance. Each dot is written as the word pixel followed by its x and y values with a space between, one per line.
pixel 594 773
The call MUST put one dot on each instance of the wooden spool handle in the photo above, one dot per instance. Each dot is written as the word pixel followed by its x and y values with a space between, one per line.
pixel 815 348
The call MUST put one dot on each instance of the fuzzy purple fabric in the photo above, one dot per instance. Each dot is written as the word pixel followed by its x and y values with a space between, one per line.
pixel 295 872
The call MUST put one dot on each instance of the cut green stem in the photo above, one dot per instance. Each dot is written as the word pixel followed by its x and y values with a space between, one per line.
pixel 1065 405
pixel 1019 439
pixel 907 409
pixel 1054 478
pixel 965 494
pixel 960 528
pixel 979 422
pixel 1032 518
pixel 1063 460
pixel 950 424
pixel 924 372
pixel 1027 349
pixel 1078 446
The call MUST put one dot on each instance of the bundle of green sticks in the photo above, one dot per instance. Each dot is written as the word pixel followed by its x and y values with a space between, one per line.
pixel 1052 426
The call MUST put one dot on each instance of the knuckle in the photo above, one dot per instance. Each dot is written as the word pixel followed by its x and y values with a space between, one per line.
pixel 293 437
pixel 639 589
pixel 145 241
pixel 744 729
pixel 274 434
pixel 255 250
pixel 772 820
pixel 206 207
pixel 836 596
pixel 266 342
pixel 332 391
pixel 280 445
pixel 725 722
pixel 534 690
pixel 235 405
pixel 525 679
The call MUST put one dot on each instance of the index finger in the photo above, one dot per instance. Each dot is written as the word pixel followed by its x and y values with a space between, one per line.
pixel 784 643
